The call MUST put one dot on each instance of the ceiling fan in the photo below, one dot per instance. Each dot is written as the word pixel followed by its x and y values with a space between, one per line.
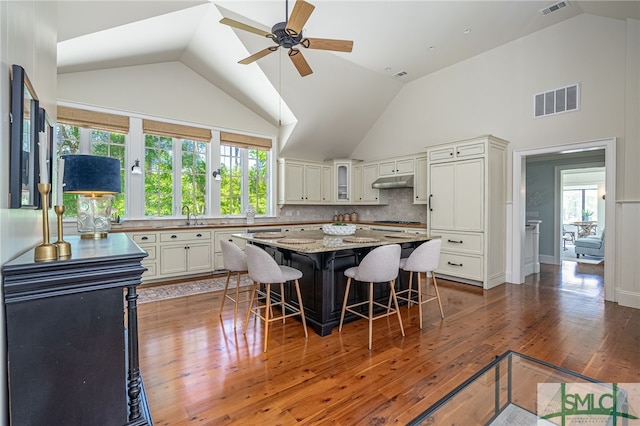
pixel 288 34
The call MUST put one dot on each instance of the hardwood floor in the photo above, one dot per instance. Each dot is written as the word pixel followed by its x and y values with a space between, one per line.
pixel 198 370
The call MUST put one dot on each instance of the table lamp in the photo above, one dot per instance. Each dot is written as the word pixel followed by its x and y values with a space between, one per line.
pixel 95 179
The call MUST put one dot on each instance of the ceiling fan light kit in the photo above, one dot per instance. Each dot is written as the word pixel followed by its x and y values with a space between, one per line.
pixel 288 34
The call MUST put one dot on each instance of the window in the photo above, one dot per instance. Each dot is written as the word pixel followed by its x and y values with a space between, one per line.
pixel 579 204
pixel 110 144
pixel 173 181
pixel 194 175
pixel 245 176
pixel 74 140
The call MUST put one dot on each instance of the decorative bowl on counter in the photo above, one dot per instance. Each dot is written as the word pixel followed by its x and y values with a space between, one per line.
pixel 339 229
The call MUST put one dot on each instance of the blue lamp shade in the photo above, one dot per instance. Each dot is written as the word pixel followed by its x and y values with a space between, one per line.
pixel 91 174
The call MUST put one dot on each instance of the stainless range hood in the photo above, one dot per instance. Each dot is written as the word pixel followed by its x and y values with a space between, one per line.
pixel 393 182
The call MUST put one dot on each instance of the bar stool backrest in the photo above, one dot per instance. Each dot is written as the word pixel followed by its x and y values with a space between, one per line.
pixel 262 267
pixel 380 264
pixel 233 258
pixel 425 258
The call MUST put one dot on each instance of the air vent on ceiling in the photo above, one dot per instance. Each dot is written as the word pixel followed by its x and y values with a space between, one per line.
pixel 400 74
pixel 563 99
pixel 554 7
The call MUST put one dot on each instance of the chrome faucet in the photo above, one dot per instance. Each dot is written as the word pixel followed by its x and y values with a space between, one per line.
pixel 188 214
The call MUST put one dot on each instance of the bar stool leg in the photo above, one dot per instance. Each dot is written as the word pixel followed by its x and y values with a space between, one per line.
pixel 435 287
pixel 395 301
pixel 235 313
pixel 344 304
pixel 304 321
pixel 282 301
pixel 267 317
pixel 371 313
pixel 419 298
pixel 251 298
pixel 224 295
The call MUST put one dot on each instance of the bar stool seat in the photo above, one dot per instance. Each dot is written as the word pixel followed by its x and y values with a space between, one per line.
pixel 423 260
pixel 235 262
pixel 263 269
pixel 380 265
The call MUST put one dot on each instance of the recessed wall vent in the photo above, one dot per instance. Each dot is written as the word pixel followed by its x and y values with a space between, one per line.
pixel 563 99
pixel 554 7
pixel 399 74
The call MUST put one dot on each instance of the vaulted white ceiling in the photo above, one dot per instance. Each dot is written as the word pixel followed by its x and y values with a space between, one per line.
pixel 330 111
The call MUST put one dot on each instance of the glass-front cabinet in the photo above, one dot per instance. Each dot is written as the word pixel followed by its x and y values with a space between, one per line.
pixel 343 181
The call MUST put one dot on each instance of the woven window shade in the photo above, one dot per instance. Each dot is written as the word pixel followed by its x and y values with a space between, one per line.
pixel 244 141
pixel 93 120
pixel 176 131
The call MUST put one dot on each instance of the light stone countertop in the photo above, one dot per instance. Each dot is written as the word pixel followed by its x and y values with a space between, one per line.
pixel 327 243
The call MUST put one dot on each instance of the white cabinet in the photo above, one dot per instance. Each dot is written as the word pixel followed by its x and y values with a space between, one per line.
pixel 399 166
pixel 327 184
pixel 363 193
pixel 226 234
pixel 301 182
pixel 342 181
pixel 185 252
pixel 467 208
pixel 420 187
pixel 148 241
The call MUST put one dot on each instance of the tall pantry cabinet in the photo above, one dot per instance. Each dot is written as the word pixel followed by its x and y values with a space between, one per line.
pixel 467 208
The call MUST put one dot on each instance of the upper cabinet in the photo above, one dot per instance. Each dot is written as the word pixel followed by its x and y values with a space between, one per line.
pixel 342 181
pixel 399 166
pixel 363 176
pixel 420 187
pixel 301 182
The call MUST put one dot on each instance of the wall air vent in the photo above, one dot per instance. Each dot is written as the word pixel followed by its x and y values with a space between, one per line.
pixel 554 7
pixel 399 74
pixel 563 99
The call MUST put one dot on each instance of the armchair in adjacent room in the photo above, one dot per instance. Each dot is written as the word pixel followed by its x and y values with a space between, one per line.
pixel 592 245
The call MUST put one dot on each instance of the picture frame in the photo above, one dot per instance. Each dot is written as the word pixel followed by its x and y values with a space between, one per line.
pixel 24 157
pixel 46 125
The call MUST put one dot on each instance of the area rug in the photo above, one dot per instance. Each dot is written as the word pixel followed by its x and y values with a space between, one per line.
pixel 189 288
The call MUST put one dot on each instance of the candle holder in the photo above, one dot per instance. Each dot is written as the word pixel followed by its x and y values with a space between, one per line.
pixel 64 247
pixel 45 251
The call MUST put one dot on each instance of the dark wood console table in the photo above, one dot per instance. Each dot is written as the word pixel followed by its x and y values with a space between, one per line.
pixel 71 358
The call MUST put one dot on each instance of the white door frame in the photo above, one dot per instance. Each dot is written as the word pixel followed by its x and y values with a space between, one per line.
pixel 519 208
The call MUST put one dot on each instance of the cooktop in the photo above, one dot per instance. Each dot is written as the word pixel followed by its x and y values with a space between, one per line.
pixel 398 222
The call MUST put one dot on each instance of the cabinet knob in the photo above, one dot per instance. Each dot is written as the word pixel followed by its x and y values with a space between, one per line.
pixel 198 235
pixel 174 236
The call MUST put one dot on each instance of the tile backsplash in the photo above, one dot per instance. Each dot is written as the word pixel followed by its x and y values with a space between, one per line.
pixel 400 207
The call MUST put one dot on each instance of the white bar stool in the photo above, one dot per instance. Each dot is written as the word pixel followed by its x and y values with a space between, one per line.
pixel 423 260
pixel 235 262
pixel 263 269
pixel 378 266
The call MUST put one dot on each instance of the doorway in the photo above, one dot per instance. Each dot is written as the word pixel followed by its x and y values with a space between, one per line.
pixel 582 209
pixel 517 213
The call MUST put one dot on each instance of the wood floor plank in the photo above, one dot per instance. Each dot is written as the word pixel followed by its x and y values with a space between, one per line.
pixel 198 370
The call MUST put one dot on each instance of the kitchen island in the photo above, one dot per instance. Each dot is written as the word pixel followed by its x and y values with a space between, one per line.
pixel 323 260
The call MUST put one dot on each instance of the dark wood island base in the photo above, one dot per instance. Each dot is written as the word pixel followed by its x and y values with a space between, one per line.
pixel 323 282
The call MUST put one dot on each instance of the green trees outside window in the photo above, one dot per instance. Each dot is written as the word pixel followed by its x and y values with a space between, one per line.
pixel 234 162
pixel 158 175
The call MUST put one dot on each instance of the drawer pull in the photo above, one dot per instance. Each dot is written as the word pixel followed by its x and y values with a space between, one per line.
pixel 455 241
pixel 230 240
pixel 198 235
pixel 454 264
pixel 174 236
pixel 144 238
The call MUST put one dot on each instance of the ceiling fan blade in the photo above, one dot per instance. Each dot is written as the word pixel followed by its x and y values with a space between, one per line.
pixel 244 27
pixel 258 55
pixel 299 15
pixel 301 64
pixel 328 44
